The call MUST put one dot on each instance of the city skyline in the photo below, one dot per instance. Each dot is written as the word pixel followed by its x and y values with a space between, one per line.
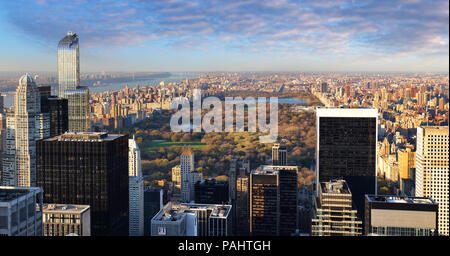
pixel 296 36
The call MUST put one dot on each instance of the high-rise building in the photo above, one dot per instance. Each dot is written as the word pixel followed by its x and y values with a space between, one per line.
pixel 176 177
pixel 20 211
pixel 57 109
pixel 66 220
pixel 273 200
pixel 88 169
pixel 323 87
pixel 68 63
pixel 388 215
pixel 192 220
pixel 347 149
pixel 136 190
pixel 27 107
pixel 279 154
pixel 69 83
pixel 9 175
pixel 153 203
pixel 211 192
pixel 188 175
pixel 242 205
pixel 78 106
pixel 406 162
pixel 432 171
pixel 333 214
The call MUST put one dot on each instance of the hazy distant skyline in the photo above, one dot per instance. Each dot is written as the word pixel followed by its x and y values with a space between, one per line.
pixel 175 35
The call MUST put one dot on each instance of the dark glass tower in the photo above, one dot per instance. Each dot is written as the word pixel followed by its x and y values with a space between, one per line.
pixel 89 169
pixel 57 108
pixel 273 205
pixel 211 192
pixel 346 149
pixel 279 154
pixel 264 203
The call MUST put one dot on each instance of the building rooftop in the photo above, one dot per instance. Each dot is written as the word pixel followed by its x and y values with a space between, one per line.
pixel 176 211
pixel 64 208
pixel 335 187
pixel 85 136
pixel 400 199
pixel 272 169
pixel 346 112
pixel 8 194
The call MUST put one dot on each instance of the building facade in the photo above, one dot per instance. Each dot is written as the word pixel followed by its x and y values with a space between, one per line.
pixel 192 220
pixel 333 214
pixel 279 154
pixel 211 192
pixel 66 220
pixel 20 211
pixel 273 200
pixel 88 169
pixel 388 215
pixel 347 149
pixel 136 190
pixel 432 170
pixel 69 83
pixel 27 109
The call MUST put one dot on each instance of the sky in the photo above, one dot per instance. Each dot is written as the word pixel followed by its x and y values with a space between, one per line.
pixel 212 35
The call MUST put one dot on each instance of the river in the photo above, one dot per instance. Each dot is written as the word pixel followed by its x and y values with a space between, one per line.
pixel 174 77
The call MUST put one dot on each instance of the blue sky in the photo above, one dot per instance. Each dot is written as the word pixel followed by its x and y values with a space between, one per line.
pixel 211 35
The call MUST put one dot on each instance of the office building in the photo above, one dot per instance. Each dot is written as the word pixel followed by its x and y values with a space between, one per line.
pixel 211 192
pixel 153 203
pixel 68 63
pixel 432 171
pixel 333 214
pixel 27 109
pixel 242 226
pixel 88 169
pixel 192 220
pixel 66 220
pixel 279 154
pixel 273 200
pixel 20 211
pixel 57 109
pixel 347 149
pixel 69 83
pixel 176 177
pixel 136 190
pixel 388 215
pixel 188 175
pixel 9 175
pixel 78 106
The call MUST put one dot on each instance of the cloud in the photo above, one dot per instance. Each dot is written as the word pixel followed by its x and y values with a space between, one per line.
pixel 378 27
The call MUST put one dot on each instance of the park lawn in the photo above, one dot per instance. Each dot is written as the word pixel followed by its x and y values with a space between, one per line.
pixel 163 144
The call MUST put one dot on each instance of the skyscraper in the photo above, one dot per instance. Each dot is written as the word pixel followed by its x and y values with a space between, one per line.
pixel 9 175
pixel 69 83
pixel 279 154
pixel 27 109
pixel 153 203
pixel 78 106
pixel 88 169
pixel 188 175
pixel 68 63
pixel 333 214
pixel 273 200
pixel 400 216
pixel 136 187
pixel 432 171
pixel 346 149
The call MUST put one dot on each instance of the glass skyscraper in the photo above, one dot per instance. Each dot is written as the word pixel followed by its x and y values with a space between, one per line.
pixel 69 83
pixel 68 63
